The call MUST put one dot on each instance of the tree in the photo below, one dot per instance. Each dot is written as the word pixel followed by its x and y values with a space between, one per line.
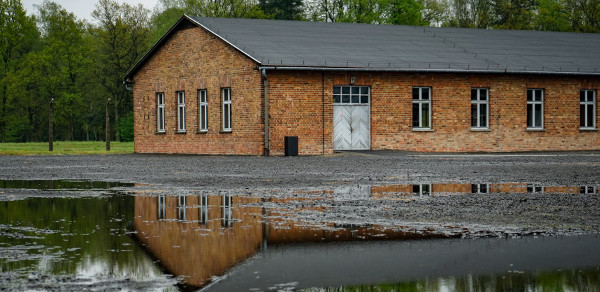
pixel 406 12
pixel 584 15
pixel 18 36
pixel 121 38
pixel 283 9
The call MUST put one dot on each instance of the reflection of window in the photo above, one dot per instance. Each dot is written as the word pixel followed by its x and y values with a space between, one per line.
pixel 203 216
pixel 479 188
pixel 162 207
pixel 421 107
pixel 535 189
pixel 480 108
pixel 587 190
pixel 535 108
pixel 351 94
pixel 181 208
pixel 587 109
pixel 227 210
pixel 422 189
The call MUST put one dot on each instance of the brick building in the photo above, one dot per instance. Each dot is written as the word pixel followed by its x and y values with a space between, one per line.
pixel 239 86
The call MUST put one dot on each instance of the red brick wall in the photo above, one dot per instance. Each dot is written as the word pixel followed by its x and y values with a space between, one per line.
pixel 194 59
pixel 296 107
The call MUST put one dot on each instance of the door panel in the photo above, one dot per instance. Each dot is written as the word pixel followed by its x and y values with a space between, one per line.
pixel 351 127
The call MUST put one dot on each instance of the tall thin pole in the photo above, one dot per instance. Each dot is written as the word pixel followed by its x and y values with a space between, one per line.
pixel 107 126
pixel 51 126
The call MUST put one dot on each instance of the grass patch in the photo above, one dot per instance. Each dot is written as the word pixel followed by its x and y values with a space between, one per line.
pixel 66 148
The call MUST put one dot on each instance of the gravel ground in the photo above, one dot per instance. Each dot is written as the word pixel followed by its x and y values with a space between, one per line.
pixel 473 215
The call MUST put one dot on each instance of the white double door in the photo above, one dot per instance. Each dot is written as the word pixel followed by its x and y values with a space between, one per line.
pixel 351 127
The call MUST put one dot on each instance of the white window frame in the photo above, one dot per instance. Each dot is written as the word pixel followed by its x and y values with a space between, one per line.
pixel 181 111
pixel 203 209
pixel 478 102
pixel 202 110
pixel 533 103
pixel 422 189
pixel 227 210
pixel 421 101
pixel 480 188
pixel 585 103
pixel 226 109
pixel 181 207
pixel 162 207
pixel 160 112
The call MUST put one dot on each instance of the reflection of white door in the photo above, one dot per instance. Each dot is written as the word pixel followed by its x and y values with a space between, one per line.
pixel 351 127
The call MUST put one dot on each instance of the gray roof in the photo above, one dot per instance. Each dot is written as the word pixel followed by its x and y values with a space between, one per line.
pixel 350 46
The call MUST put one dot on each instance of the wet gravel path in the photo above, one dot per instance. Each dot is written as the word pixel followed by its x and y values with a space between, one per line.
pixel 474 214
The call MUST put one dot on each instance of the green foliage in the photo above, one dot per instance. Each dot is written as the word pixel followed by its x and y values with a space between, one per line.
pixel 126 127
pixel 283 9
pixel 65 148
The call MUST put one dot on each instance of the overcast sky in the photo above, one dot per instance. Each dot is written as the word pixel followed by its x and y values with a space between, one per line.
pixel 82 8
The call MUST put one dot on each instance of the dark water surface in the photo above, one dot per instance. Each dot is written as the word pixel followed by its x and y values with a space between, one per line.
pixel 227 242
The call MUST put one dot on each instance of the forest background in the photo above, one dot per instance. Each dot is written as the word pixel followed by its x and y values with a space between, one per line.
pixel 80 64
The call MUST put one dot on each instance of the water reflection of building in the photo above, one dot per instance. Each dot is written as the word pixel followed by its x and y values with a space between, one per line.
pixel 201 236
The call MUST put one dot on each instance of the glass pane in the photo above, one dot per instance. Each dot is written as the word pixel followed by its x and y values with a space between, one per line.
pixel 355 90
pixel 226 117
pixel 483 94
pixel 336 99
pixel 529 94
pixel 590 95
pixel 416 189
pixel 355 98
pixel 345 98
pixel 346 90
pixel 425 93
pixel 582 116
pixel 474 189
pixel 364 90
pixel 530 115
pixel 415 115
pixel 425 115
pixel 416 93
pixel 473 115
pixel 473 94
pixel 590 116
pixel 538 95
pixel 160 119
pixel 538 115
pixel 426 189
pixel 336 90
pixel 582 95
pixel 483 115
pixel 364 99
pixel 483 188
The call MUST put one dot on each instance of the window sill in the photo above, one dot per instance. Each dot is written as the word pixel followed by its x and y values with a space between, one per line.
pixel 202 132
pixel 160 133
pixel 588 129
pixel 481 130
pixel 422 130
pixel 536 130
pixel 225 131
pixel 181 132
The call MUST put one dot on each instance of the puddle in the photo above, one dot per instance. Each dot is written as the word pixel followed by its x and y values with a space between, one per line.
pixel 351 238
pixel 60 185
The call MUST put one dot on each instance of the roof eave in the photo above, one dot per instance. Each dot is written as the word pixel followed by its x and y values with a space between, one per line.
pixel 425 70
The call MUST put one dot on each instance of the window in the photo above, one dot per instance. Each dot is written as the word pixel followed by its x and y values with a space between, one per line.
pixel 535 108
pixel 587 109
pixel 181 208
pixel 480 108
pixel 203 216
pixel 181 111
pixel 479 188
pixel 162 207
pixel 227 210
pixel 351 94
pixel 160 112
pixel 203 111
pixel 535 189
pixel 422 107
pixel 226 94
pixel 587 190
pixel 422 189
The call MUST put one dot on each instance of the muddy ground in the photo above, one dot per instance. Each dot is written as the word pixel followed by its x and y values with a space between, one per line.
pixel 472 215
